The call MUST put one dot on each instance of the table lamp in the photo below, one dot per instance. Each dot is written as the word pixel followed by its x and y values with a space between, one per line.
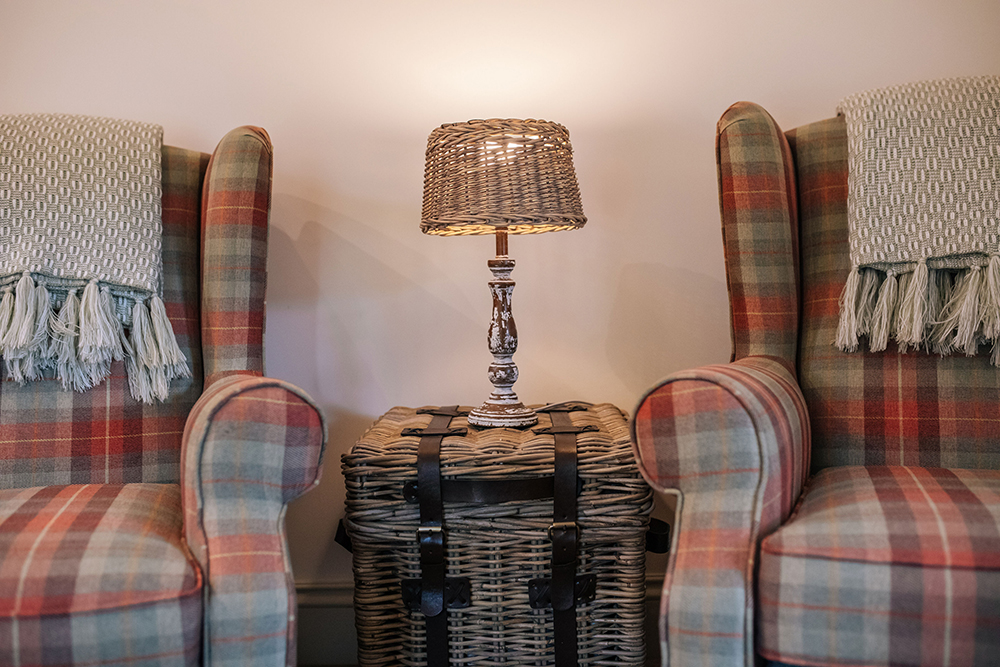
pixel 500 176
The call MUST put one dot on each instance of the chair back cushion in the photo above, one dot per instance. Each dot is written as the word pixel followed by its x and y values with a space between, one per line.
pixel 881 408
pixel 52 436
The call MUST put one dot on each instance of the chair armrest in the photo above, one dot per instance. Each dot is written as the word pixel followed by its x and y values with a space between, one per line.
pixel 732 441
pixel 251 445
pixel 236 202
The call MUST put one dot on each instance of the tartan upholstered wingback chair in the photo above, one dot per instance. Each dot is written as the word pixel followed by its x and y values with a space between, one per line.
pixel 834 508
pixel 153 534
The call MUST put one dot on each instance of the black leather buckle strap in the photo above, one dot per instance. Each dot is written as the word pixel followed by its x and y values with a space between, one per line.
pixel 342 538
pixel 567 406
pixel 540 591
pixel 443 411
pixel 489 491
pixel 430 430
pixel 564 531
pixel 658 537
pixel 457 593
pixel 430 534
pixel 566 430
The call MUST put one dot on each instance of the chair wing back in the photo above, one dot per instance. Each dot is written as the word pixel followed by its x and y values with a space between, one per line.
pixel 881 408
pixel 760 235
pixel 236 202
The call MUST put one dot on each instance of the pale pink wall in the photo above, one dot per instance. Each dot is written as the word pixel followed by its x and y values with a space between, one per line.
pixel 365 312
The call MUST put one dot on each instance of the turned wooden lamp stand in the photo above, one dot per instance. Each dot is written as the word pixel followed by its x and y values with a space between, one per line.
pixel 503 407
pixel 504 177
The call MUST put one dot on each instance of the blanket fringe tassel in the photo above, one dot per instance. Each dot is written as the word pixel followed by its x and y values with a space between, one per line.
pixel 81 341
pixel 941 310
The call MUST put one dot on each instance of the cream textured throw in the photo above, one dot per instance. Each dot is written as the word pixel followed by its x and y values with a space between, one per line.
pixel 923 205
pixel 80 253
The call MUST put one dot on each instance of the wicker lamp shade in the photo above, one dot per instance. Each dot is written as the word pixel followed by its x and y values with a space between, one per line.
pixel 482 175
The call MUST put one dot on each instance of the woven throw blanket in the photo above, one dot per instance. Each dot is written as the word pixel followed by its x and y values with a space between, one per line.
pixel 80 258
pixel 923 207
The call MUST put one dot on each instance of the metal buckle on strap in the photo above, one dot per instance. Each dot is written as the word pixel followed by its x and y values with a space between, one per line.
pixel 429 529
pixel 564 525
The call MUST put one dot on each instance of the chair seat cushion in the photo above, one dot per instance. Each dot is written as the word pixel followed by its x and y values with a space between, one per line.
pixel 78 561
pixel 885 565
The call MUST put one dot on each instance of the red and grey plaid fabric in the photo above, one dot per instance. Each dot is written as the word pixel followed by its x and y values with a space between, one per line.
pixel 103 436
pixel 234 254
pixel 758 202
pixel 96 574
pixel 252 445
pixel 732 439
pixel 886 566
pixel 882 408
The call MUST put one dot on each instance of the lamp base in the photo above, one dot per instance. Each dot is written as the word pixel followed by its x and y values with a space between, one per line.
pixel 503 408
pixel 493 414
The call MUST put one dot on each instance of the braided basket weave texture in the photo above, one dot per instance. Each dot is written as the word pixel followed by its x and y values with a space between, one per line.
pixel 501 547
pixel 484 174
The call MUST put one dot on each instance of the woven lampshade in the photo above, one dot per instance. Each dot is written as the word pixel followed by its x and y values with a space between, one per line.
pixel 484 174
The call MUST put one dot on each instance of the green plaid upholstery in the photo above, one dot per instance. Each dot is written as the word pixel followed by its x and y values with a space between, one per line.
pixel 731 439
pixel 886 565
pixel 219 465
pixel 758 202
pixel 234 254
pixel 82 563
pixel 252 445
pixel 891 564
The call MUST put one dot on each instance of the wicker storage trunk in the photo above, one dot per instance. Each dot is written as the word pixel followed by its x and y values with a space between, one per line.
pixel 501 550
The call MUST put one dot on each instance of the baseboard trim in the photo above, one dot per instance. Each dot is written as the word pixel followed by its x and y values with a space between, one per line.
pixel 325 594
pixel 338 594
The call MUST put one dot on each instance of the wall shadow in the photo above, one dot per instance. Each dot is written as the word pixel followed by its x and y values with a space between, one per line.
pixel 665 319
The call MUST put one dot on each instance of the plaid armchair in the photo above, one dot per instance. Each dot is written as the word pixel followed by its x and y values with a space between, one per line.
pixel 135 534
pixel 834 508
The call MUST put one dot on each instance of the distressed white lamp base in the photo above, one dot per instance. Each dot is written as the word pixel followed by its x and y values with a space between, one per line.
pixel 502 408
pixel 492 415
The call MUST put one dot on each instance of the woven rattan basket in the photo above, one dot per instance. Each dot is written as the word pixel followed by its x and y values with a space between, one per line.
pixel 500 548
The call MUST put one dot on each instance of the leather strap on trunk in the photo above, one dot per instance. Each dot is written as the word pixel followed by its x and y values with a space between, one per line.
pixel 564 531
pixel 430 534
pixel 489 491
